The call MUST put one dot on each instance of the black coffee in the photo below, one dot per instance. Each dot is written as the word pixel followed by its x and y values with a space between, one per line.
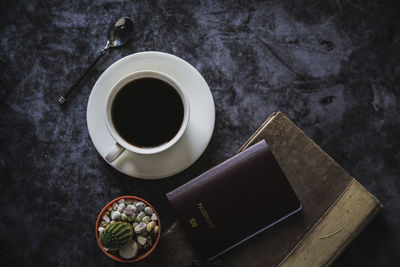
pixel 147 112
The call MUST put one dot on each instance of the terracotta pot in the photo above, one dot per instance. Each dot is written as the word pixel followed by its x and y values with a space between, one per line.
pixel 116 256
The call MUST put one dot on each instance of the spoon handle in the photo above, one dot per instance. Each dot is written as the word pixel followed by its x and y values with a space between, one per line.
pixel 64 97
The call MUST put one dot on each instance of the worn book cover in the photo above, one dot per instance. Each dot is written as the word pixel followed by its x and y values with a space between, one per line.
pixel 335 209
pixel 234 201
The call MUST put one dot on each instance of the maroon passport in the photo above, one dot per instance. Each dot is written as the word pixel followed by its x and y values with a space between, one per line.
pixel 234 201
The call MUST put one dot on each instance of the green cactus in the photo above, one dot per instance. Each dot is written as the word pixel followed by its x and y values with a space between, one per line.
pixel 116 235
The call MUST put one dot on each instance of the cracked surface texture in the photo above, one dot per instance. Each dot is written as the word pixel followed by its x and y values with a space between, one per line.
pixel 330 66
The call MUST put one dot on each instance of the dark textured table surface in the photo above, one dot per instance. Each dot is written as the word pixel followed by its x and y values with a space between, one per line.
pixel 331 66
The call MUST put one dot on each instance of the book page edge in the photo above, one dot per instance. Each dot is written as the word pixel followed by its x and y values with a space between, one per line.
pixel 364 223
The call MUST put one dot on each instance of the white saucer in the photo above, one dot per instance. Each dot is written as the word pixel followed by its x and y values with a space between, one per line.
pixel 199 129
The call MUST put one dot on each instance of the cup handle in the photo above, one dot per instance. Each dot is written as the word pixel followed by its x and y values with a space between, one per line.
pixel 114 153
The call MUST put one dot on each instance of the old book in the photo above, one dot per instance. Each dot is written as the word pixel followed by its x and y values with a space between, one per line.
pixel 234 201
pixel 335 209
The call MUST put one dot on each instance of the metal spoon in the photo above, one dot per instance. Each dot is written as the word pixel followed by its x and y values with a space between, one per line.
pixel 118 35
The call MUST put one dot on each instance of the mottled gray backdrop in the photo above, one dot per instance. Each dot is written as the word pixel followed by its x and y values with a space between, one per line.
pixel 331 66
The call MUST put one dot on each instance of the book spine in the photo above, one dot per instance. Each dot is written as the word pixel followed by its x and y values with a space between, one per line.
pixel 335 230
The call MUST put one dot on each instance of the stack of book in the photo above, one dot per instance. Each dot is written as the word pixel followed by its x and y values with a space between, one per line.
pixel 335 208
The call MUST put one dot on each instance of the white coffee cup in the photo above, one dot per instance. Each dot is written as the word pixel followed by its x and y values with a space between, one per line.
pixel 120 143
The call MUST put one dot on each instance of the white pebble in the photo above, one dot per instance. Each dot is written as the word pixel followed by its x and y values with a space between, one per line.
pixel 134 224
pixel 109 209
pixel 154 217
pixel 140 206
pixel 115 206
pixel 156 229
pixel 140 216
pixel 141 240
pixel 101 229
pixel 140 228
pixel 132 208
pixel 121 201
pixel 150 226
pixel 120 210
pixel 121 206
pixel 148 210
pixel 129 250
pixel 146 219
pixel 129 212
pixel 115 215
pixel 124 217
pixel 106 218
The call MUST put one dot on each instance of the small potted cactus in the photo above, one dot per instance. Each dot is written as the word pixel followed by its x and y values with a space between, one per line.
pixel 128 229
